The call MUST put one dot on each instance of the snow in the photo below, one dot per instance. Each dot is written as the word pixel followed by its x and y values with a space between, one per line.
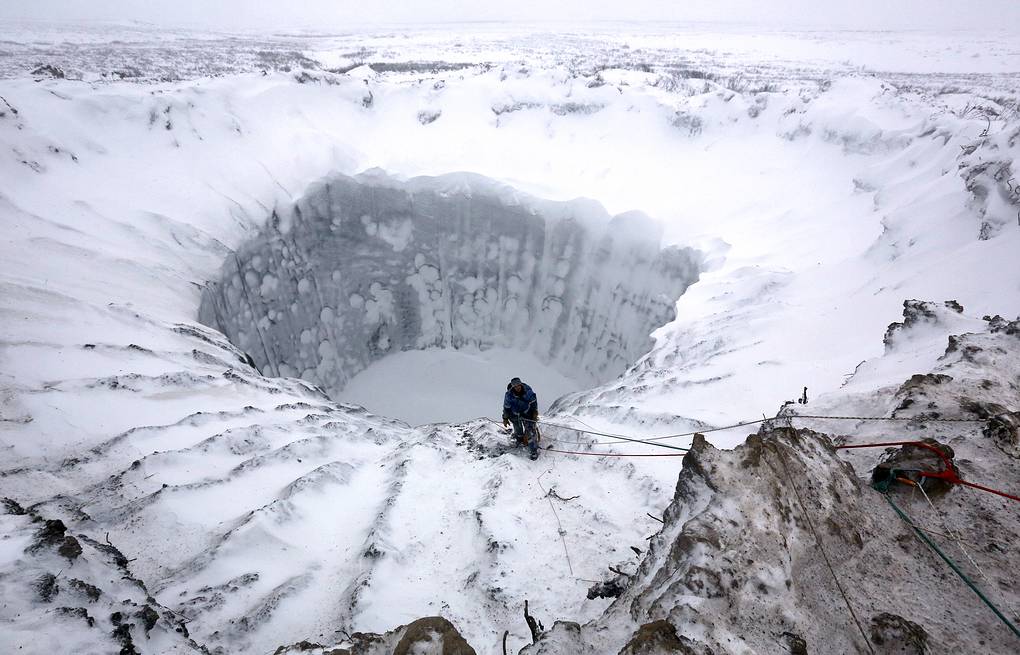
pixel 481 266
pixel 820 195
pixel 451 386
pixel 12 544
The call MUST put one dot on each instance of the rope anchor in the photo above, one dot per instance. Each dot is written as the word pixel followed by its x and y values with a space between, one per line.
pixel 947 474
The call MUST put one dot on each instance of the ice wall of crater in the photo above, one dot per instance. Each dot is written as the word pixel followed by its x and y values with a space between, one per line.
pixel 359 268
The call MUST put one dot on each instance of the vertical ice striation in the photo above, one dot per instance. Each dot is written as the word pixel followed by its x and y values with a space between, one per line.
pixel 360 268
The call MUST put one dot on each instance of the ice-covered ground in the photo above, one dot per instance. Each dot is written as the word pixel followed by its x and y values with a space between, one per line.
pixel 451 386
pixel 825 177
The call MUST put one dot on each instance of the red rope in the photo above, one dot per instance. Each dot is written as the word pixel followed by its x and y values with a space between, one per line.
pixel 978 486
pixel 945 460
pixel 947 474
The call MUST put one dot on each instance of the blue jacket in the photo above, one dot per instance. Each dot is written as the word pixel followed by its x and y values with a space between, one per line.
pixel 525 405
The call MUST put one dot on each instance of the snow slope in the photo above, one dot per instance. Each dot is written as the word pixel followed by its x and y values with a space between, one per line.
pixel 822 196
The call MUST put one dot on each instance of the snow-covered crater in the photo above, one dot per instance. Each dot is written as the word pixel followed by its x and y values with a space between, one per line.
pixel 363 267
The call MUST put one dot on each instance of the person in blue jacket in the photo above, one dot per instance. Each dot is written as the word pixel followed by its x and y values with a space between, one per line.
pixel 520 408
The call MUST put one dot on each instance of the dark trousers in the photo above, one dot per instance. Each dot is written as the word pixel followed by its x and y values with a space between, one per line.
pixel 525 430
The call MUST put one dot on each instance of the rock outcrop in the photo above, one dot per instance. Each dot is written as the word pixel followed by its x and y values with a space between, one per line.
pixel 74 594
pixel 782 545
pixel 432 635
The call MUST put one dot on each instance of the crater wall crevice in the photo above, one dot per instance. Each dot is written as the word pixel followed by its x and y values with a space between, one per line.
pixel 363 267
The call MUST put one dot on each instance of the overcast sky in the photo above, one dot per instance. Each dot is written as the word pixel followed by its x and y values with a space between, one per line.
pixel 247 14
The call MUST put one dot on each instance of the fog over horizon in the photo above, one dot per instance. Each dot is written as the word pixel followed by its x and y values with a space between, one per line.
pixel 991 15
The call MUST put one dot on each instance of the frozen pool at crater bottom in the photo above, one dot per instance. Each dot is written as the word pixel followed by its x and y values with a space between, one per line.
pixel 447 385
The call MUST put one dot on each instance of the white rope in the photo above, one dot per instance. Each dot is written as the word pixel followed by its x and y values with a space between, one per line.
pixel 559 525
pixel 957 536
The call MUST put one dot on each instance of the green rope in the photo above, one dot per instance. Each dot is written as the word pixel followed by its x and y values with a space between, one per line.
pixel 947 560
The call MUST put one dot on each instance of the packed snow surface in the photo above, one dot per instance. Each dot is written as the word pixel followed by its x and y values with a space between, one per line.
pixel 822 179
pixel 451 386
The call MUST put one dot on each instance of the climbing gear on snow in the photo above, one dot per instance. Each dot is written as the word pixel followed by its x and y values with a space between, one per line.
pixel 948 474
